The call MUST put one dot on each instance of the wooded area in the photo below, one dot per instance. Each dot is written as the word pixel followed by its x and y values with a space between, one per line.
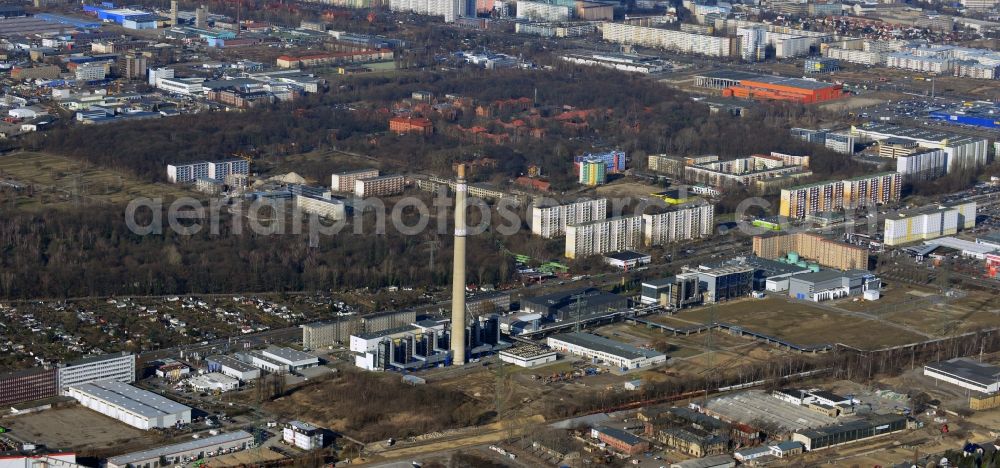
pixel 91 252
pixel 638 115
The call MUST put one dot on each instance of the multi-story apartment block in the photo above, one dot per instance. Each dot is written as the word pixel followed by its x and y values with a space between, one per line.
pixel 592 172
pixel 189 172
pixel 876 189
pixel 826 252
pixel 863 57
pixel 219 170
pixel 92 71
pixel 746 171
pixel 797 202
pixel 691 43
pixel 923 165
pixel 551 221
pixel 910 226
pixel 379 186
pixel 344 181
pixel 909 61
pixel 117 367
pixel 872 190
pixel 540 11
pixel 614 161
pixel 323 207
pixel 667 164
pixel 449 9
pixel 683 222
pixel 603 236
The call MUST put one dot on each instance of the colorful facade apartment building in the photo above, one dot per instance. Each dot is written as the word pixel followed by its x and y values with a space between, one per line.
pixel 593 172
pixel 614 161
pixel 870 190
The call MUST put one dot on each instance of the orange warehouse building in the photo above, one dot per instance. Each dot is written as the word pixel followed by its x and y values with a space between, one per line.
pixel 784 89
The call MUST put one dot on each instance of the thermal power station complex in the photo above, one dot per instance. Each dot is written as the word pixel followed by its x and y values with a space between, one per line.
pixel 428 343
pixel 458 273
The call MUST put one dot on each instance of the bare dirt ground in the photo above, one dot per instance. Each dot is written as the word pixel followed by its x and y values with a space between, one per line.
pixel 61 429
pixel 802 323
pixel 622 189
pixel 247 458
pixel 61 181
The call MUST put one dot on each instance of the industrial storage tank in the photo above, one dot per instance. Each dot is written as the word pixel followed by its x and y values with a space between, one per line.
pixel 793 257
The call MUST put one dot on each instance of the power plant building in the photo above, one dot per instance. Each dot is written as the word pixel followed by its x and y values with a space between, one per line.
pixel 322 334
pixel 550 221
pixel 573 304
pixel 673 292
pixel 603 236
pixel 130 405
pixel 903 227
pixel 832 284
pixel 723 283
pixel 423 344
pixel 603 350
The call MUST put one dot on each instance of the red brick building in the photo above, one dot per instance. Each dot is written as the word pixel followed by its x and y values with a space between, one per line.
pixel 419 125
pixel 620 440
pixel 27 385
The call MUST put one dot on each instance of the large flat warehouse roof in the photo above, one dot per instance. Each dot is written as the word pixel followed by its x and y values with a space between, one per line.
pixel 791 82
pixel 969 370
pixel 604 345
pixel 731 75
pixel 756 405
pixel 914 133
pixel 184 447
pixel 132 399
